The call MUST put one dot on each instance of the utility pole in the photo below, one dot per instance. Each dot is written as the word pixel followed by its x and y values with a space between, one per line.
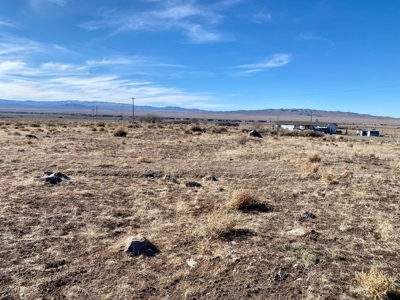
pixel 97 114
pixel 311 115
pixel 93 114
pixel 133 109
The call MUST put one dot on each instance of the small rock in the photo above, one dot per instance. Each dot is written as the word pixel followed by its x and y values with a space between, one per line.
pixel 135 246
pixel 210 178
pixel 169 178
pixel 255 133
pixel 308 215
pixel 191 262
pixel 193 184
pixel 31 136
pixel 53 179
pixel 312 235
pixel 214 258
pixel 148 175
pixel 61 175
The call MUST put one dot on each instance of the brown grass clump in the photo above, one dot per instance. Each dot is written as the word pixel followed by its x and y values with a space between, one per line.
pixel 241 199
pixel 119 132
pixel 196 128
pixel 328 178
pixel 375 284
pixel 242 140
pixel 309 168
pixel 315 158
pixel 220 223
pixel 143 159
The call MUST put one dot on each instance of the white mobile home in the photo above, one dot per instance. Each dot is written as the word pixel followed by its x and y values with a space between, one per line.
pixel 330 128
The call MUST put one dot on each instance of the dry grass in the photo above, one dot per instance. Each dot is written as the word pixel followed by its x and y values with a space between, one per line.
pixel 315 158
pixel 219 223
pixel 66 241
pixel 143 159
pixel 241 199
pixel 119 132
pixel 375 284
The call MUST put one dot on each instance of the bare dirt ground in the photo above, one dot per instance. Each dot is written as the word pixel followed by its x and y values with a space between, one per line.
pixel 66 241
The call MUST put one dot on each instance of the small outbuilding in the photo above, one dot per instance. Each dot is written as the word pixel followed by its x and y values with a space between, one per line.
pixel 367 132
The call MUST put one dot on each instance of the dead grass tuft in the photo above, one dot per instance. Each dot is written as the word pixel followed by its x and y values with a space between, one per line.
pixel 241 199
pixel 242 140
pixel 220 223
pixel 143 159
pixel 328 178
pixel 119 132
pixel 309 168
pixel 315 158
pixel 375 284
pixel 196 128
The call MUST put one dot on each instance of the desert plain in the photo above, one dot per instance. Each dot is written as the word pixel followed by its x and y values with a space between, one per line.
pixel 278 217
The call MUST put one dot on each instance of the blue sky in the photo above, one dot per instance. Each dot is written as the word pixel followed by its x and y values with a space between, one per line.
pixel 218 55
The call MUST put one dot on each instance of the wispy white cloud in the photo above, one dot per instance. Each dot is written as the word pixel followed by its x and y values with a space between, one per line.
pixel 311 36
pixel 131 61
pixel 275 61
pixel 36 3
pixel 15 45
pixel 39 71
pixel 261 18
pixel 105 88
pixel 20 80
pixel 198 22
pixel 4 23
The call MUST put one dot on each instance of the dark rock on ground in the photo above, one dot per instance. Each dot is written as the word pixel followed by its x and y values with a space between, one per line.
pixel 308 215
pixel 170 178
pixel 210 178
pixel 255 133
pixel 61 175
pixel 148 175
pixel 53 178
pixel 31 136
pixel 135 246
pixel 192 184
pixel 312 235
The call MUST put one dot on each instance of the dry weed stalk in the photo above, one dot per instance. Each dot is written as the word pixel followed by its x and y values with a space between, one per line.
pixel 375 283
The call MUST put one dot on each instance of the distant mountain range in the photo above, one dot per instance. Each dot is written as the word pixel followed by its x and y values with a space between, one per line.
pixel 115 108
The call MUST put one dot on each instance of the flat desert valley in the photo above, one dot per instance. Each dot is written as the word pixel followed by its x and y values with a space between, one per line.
pixel 224 215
